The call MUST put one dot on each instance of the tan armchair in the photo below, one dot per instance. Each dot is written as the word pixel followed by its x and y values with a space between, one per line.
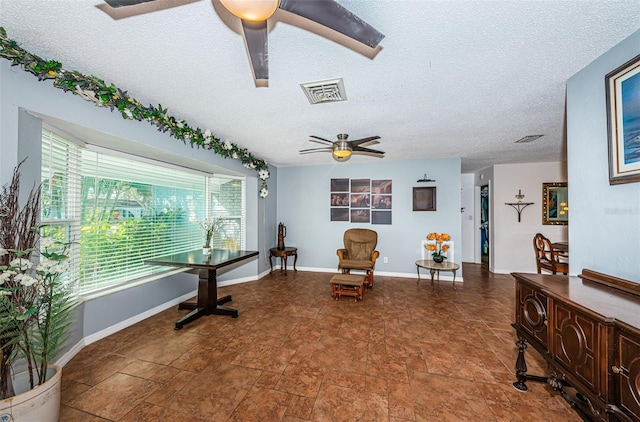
pixel 547 258
pixel 359 253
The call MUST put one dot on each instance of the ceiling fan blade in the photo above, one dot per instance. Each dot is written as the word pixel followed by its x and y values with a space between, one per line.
pixel 124 3
pixel 357 142
pixel 322 139
pixel 368 150
pixel 334 16
pixel 318 142
pixel 255 37
pixel 316 149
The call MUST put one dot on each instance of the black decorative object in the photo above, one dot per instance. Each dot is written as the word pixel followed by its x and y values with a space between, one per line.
pixel 519 206
pixel 425 179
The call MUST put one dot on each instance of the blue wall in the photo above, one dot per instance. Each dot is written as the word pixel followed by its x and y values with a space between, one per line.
pixel 22 96
pixel 604 231
pixel 304 208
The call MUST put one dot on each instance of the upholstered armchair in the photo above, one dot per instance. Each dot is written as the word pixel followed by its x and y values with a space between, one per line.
pixel 359 253
pixel 547 258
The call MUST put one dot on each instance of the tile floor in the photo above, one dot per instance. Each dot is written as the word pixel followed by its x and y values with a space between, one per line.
pixel 408 352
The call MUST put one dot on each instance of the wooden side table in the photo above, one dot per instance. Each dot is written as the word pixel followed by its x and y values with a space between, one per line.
pixel 283 254
pixel 435 267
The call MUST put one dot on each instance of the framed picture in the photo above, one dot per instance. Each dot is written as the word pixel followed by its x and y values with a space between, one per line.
pixel 360 216
pixel 555 204
pixel 339 214
pixel 623 122
pixel 339 185
pixel 339 199
pixel 381 186
pixel 380 217
pixel 424 198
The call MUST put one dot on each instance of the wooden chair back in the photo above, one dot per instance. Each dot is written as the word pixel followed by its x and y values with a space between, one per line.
pixel 547 257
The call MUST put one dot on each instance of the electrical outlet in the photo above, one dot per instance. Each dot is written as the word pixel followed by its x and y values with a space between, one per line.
pixel 385 260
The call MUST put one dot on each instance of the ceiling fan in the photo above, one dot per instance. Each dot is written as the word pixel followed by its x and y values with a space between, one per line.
pixel 254 15
pixel 342 149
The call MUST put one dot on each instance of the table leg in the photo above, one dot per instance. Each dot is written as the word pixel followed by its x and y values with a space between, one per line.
pixel 418 271
pixel 208 302
pixel 454 278
pixel 270 261
pixel 432 271
pixel 283 263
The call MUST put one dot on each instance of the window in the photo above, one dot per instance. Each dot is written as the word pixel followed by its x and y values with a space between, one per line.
pixel 120 210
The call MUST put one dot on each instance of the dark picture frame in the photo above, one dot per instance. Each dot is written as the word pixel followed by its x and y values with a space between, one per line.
pixel 424 198
pixel 623 122
pixel 339 185
pixel 555 204
pixel 380 217
pixel 339 214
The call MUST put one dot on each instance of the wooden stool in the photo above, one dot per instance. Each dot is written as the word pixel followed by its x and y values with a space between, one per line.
pixel 347 285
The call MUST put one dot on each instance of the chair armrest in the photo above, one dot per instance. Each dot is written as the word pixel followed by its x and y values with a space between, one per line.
pixel 375 256
pixel 342 254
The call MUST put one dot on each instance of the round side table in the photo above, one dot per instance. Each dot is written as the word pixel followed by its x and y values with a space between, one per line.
pixel 283 254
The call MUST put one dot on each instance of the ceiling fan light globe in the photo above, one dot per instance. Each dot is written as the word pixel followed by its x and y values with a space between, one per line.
pixel 341 159
pixel 251 10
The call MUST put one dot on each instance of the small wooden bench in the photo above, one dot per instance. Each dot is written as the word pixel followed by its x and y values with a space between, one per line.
pixel 347 285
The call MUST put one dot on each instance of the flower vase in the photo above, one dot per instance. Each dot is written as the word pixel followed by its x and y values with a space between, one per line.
pixel 206 250
pixel 438 258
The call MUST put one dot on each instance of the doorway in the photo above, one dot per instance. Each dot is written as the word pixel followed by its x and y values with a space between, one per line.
pixel 484 226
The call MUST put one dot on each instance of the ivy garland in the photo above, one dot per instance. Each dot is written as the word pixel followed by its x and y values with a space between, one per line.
pixel 98 92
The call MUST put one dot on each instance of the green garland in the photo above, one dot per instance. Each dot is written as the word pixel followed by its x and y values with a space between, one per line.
pixel 95 90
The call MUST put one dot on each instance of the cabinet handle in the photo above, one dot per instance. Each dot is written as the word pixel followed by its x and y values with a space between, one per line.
pixel 617 370
pixel 545 322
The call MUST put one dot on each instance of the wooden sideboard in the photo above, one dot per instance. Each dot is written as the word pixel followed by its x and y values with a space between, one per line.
pixel 588 330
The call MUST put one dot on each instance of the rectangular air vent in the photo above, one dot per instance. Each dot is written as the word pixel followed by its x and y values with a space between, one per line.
pixel 528 138
pixel 325 91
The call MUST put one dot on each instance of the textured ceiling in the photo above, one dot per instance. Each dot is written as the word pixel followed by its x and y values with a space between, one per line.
pixel 450 79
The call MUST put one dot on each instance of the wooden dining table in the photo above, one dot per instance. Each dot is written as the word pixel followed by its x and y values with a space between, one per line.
pixel 561 247
pixel 207 302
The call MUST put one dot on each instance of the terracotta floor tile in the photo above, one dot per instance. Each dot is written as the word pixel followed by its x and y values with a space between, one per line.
pixel 114 397
pixel 408 352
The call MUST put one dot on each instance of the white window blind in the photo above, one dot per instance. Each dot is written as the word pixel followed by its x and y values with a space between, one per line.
pixel 121 210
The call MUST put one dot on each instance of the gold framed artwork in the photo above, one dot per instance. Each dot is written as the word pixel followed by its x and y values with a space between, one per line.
pixel 555 203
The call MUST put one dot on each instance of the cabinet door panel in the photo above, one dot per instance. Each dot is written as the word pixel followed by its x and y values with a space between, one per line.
pixel 533 313
pixel 574 346
pixel 629 375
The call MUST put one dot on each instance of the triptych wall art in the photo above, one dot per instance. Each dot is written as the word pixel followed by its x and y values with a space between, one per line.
pixel 361 201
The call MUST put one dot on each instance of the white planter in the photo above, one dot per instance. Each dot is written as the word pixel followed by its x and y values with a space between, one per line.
pixel 40 404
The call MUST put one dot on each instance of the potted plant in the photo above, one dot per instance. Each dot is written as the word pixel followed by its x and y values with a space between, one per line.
pixel 210 226
pixel 437 247
pixel 36 307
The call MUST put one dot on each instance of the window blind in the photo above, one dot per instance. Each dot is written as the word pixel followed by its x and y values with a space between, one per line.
pixel 122 211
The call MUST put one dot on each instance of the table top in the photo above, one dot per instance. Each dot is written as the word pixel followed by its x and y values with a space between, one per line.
pixel 432 265
pixel 196 259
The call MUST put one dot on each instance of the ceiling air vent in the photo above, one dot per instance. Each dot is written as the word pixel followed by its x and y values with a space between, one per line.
pixel 325 91
pixel 528 138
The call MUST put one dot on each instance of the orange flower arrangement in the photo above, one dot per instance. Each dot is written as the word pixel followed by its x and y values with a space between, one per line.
pixel 437 248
